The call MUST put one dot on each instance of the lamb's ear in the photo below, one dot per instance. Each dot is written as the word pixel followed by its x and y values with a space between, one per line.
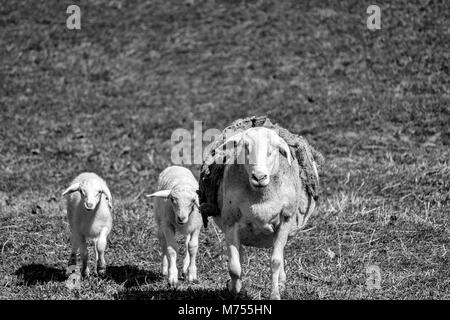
pixel 196 202
pixel 107 193
pixel 72 188
pixel 159 194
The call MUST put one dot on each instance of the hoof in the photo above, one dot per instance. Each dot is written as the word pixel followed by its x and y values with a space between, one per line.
pixel 191 277
pixel 236 293
pixel 173 281
pixel 101 272
pixel 85 273
pixel 275 296
pixel 72 269
pixel 172 285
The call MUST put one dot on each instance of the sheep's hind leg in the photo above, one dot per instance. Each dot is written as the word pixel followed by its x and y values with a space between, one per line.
pixel 100 247
pixel 84 257
pixel 192 251
pixel 164 262
pixel 234 265
pixel 276 262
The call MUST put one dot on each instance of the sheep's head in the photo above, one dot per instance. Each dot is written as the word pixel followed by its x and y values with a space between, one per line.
pixel 91 192
pixel 184 202
pixel 258 149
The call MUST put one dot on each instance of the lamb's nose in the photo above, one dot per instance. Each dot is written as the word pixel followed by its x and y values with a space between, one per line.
pixel 259 177
pixel 89 206
pixel 181 220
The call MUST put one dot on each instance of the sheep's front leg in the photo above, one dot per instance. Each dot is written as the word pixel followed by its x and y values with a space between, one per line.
pixel 192 250
pixel 169 234
pixel 234 265
pixel 84 257
pixel 75 242
pixel 282 278
pixel 276 263
pixel 100 246
pixel 187 258
pixel 165 262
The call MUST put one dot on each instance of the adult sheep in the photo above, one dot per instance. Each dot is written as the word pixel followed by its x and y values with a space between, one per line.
pixel 261 200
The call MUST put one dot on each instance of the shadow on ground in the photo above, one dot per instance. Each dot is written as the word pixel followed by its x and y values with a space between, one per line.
pixel 171 294
pixel 131 276
pixel 32 274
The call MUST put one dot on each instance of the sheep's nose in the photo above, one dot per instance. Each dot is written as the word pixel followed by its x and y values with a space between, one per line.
pixel 259 177
pixel 89 206
pixel 181 220
pixel 259 180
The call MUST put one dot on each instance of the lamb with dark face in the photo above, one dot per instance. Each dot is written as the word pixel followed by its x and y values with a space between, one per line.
pixel 177 210
pixel 89 205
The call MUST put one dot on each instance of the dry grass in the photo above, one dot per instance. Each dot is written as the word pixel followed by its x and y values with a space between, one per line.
pixel 108 97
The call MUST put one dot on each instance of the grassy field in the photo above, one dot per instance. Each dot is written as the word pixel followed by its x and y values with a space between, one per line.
pixel 108 97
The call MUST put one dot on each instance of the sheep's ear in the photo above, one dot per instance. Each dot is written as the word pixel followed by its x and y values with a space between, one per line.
pixel 285 150
pixel 72 188
pixel 196 202
pixel 235 138
pixel 159 194
pixel 107 193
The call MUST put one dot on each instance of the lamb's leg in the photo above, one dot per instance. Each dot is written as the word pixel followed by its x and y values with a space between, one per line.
pixel 234 265
pixel 193 249
pixel 75 242
pixel 169 234
pixel 84 257
pixel 186 259
pixel 100 246
pixel 282 278
pixel 276 262
pixel 165 262
pixel 241 254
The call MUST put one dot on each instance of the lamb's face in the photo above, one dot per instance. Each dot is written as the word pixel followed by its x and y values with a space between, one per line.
pixel 184 203
pixel 260 148
pixel 91 192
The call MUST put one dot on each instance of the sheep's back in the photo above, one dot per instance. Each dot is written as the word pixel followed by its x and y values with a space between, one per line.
pixel 175 176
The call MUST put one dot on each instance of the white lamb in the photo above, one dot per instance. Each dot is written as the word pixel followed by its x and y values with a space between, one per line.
pixel 89 206
pixel 177 209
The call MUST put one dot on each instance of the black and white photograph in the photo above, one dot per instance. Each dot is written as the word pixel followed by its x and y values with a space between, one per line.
pixel 230 152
